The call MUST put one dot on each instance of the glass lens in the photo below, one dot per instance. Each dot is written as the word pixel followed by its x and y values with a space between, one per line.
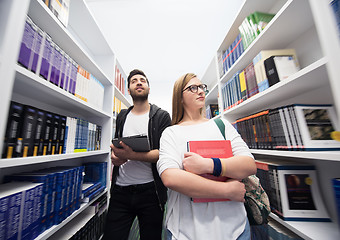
pixel 193 88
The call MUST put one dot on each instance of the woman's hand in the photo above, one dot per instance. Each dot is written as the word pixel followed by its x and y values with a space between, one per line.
pixel 194 163
pixel 236 190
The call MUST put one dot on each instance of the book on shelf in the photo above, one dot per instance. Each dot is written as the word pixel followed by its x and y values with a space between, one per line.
pixel 89 187
pixel 47 201
pixel 27 42
pixel 316 124
pixel 231 91
pixel 253 25
pixel 335 5
pixel 278 68
pixel 211 149
pixel 243 85
pixel 13 129
pixel 20 206
pixel 231 54
pixel 96 172
pixel 251 82
pixel 60 8
pixel 39 133
pixel 259 68
pixel 293 190
pixel 212 110
pixel 336 188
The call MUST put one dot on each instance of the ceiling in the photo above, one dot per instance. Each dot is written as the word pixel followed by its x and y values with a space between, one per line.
pixel 164 38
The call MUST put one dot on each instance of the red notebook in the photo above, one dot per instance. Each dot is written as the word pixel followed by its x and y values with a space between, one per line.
pixel 211 149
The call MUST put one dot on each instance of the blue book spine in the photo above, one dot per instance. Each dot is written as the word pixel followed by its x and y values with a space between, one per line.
pixel 96 193
pixel 27 218
pixel 13 215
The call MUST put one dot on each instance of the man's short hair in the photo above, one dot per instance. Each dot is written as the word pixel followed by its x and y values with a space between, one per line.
pixel 136 72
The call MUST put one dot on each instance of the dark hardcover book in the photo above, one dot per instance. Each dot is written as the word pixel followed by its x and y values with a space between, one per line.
pixel 299 141
pixel 61 134
pixel 28 131
pixel 39 133
pixel 98 137
pixel 55 133
pixel 13 129
pixel 271 71
pixel 48 134
pixel 279 68
pixel 214 110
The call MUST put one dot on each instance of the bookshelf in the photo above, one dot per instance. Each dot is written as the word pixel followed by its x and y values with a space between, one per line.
pixel 298 24
pixel 82 40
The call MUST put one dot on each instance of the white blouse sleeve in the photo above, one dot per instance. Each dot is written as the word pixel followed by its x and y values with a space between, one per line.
pixel 169 153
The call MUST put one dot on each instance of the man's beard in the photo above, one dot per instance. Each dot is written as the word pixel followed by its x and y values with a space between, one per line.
pixel 139 98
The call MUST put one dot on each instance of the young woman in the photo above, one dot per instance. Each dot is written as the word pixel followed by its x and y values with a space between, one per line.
pixel 180 171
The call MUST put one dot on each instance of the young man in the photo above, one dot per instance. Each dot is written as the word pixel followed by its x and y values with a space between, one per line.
pixel 137 189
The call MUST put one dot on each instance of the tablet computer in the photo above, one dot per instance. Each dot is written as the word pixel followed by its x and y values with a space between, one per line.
pixel 138 143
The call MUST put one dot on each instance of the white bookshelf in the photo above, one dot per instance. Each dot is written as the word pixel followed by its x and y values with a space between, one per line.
pixel 298 24
pixel 82 40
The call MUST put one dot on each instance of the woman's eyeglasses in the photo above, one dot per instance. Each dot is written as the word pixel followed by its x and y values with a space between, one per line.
pixel 194 88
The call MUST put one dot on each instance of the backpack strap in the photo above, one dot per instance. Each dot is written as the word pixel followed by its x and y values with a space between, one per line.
pixel 220 125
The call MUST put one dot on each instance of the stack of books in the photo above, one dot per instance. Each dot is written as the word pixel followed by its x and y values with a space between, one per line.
pixel 294 127
pixel 293 190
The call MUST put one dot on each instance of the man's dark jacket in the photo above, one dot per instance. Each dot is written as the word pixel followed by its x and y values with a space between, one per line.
pixel 158 120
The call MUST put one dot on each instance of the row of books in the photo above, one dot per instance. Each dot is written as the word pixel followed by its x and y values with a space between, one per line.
pixel 211 110
pixel 33 202
pixel 292 127
pixel 93 230
pixel 228 57
pixel 60 8
pixel 34 132
pixel 81 136
pixel 118 105
pixel 120 81
pixel 292 189
pixel 249 29
pixel 253 25
pixel 267 68
pixel 41 55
